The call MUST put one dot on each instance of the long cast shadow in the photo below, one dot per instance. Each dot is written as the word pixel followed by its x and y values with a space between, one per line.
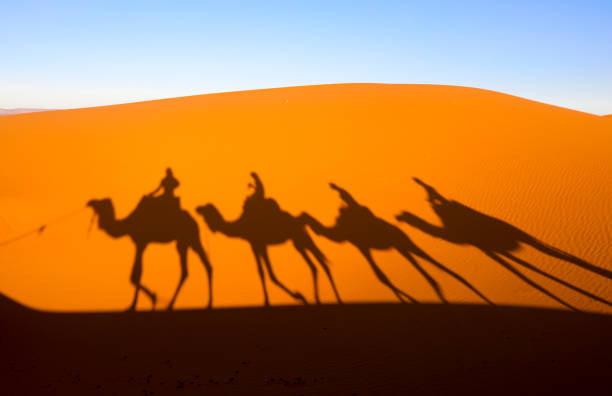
pixel 496 238
pixel 359 226
pixel 263 223
pixel 155 220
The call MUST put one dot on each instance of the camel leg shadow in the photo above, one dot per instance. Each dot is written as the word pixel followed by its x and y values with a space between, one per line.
pixel 135 278
pixel 525 279
pixel 313 270
pixel 260 271
pixel 309 246
pixel 421 253
pixel 560 254
pixel 400 294
pixel 554 278
pixel 197 247
pixel 434 283
pixel 296 295
pixel 182 251
pixel 331 280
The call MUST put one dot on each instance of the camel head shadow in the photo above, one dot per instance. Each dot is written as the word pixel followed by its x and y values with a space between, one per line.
pixel 496 238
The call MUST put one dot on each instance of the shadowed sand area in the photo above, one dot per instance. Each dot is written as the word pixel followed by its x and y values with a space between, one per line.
pixel 331 349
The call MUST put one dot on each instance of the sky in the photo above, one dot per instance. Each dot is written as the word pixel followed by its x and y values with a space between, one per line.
pixel 66 54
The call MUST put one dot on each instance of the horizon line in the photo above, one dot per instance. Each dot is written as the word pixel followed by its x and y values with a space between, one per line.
pixel 44 109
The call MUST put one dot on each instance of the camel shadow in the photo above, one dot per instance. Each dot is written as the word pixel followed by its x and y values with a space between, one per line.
pixel 497 239
pixel 155 220
pixel 262 224
pixel 357 225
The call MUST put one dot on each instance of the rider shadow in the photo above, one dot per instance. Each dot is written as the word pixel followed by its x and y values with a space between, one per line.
pixel 156 219
pixel 263 223
pixel 357 225
pixel 497 239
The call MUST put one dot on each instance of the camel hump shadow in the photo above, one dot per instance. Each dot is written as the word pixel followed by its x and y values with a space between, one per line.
pixel 264 217
pixel 156 213
pixel 362 227
pixel 497 239
pixel 358 224
pixel 493 233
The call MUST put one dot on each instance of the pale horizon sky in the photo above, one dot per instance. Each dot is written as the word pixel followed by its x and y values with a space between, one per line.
pixel 67 54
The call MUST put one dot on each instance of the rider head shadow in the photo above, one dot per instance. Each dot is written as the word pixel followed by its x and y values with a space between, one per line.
pixel 263 223
pixel 156 219
pixel 495 238
pixel 357 225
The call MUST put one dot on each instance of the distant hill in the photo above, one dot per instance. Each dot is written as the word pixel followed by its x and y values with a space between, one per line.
pixel 5 112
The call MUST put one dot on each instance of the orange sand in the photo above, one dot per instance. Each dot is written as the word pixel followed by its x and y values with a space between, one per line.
pixel 543 169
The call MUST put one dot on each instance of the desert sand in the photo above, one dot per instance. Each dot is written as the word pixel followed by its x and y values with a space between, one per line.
pixel 529 166
pixel 504 203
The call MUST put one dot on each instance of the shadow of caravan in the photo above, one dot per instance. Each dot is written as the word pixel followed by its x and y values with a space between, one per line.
pixel 262 224
pixel 497 239
pixel 156 219
pixel 357 225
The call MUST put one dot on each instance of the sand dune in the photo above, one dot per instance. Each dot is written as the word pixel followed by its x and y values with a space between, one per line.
pixel 537 168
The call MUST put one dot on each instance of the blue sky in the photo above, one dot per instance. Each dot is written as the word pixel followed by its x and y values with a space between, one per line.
pixel 59 54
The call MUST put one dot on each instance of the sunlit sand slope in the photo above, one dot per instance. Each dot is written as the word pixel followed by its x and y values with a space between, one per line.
pixel 543 171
